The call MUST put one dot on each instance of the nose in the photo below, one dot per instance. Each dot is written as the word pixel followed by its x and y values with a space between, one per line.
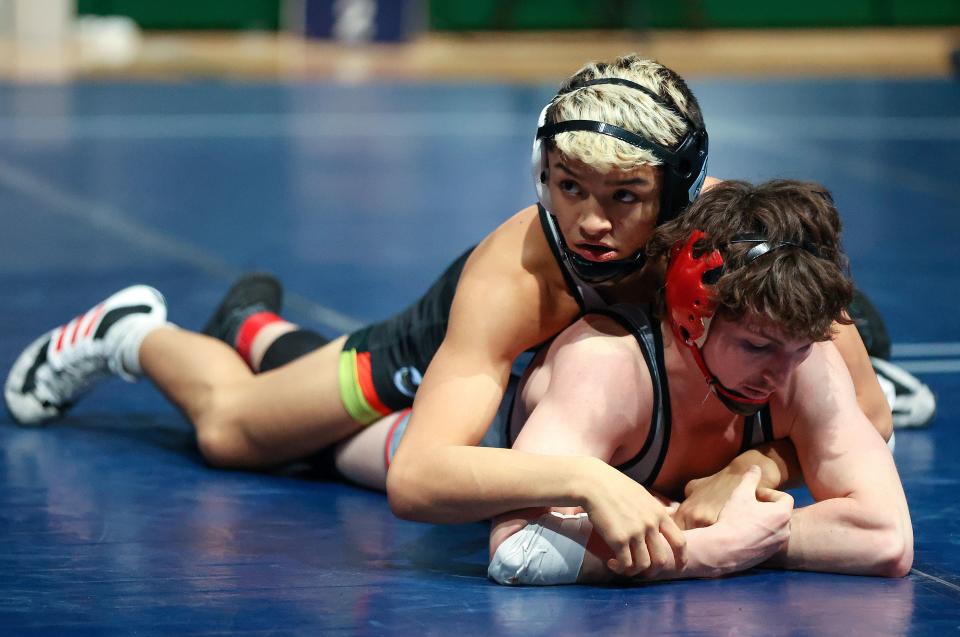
pixel 779 370
pixel 594 223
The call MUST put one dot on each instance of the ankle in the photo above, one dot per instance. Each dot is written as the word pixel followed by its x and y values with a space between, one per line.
pixel 127 364
pixel 265 339
pixel 256 333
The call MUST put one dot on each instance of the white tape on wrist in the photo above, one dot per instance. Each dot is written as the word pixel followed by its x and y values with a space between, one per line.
pixel 546 552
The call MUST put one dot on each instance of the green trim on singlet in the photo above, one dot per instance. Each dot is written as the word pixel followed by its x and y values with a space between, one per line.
pixel 351 393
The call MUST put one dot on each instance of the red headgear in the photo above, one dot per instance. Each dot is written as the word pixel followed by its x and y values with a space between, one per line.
pixel 691 306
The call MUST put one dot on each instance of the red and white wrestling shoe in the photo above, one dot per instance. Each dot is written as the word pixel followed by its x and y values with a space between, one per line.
pixel 53 372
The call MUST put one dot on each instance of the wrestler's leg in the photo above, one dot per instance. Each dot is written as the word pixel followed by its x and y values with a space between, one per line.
pixel 365 457
pixel 244 420
pixel 310 402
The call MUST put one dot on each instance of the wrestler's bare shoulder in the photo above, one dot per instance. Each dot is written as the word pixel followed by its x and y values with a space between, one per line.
pixel 601 347
pixel 620 389
pixel 519 243
pixel 812 390
pixel 515 267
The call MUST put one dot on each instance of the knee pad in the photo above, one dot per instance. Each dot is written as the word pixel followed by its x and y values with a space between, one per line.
pixel 291 346
pixel 549 551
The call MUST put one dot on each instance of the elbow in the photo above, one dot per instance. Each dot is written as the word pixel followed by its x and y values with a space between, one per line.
pixel 408 494
pixel 400 492
pixel 894 554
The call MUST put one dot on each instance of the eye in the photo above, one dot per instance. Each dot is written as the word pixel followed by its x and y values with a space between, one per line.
pixel 569 186
pixel 625 196
pixel 755 347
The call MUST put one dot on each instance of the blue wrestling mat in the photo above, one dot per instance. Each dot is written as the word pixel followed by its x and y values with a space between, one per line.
pixel 357 196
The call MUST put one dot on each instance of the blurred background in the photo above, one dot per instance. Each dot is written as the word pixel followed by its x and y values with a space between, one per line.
pixel 501 39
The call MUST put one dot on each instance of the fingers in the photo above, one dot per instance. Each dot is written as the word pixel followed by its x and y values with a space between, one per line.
pixel 772 495
pixel 631 558
pixel 676 540
pixel 622 561
pixel 695 516
pixel 641 556
pixel 748 484
pixel 660 552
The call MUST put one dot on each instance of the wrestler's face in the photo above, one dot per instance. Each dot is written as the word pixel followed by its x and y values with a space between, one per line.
pixel 751 356
pixel 603 215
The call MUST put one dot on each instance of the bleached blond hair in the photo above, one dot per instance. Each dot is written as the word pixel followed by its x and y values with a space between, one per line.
pixel 625 107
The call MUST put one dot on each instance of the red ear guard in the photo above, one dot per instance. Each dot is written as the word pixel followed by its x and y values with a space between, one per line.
pixel 690 306
pixel 689 302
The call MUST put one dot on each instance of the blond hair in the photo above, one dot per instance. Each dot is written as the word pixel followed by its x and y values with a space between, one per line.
pixel 665 122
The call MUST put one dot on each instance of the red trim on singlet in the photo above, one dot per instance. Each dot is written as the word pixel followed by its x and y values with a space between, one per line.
pixel 390 432
pixel 249 330
pixel 365 378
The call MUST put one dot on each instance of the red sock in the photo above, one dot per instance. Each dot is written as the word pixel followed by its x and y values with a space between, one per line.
pixel 248 331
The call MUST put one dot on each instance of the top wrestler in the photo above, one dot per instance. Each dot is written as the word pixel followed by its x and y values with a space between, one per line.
pixel 621 147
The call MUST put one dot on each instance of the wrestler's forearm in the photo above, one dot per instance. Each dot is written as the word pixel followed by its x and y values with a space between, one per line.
pixel 705 558
pixel 779 466
pixel 466 484
pixel 843 535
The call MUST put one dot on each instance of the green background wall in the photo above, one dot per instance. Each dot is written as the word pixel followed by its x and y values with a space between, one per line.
pixel 474 15
pixel 176 15
pixel 671 14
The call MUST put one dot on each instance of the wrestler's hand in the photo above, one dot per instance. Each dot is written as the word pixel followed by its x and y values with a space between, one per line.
pixel 755 524
pixel 636 527
pixel 704 498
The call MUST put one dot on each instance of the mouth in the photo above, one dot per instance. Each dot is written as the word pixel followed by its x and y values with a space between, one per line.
pixel 596 252
pixel 755 393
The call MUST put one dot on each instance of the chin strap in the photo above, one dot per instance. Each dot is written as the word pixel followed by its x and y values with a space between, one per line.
pixel 596 272
pixel 734 401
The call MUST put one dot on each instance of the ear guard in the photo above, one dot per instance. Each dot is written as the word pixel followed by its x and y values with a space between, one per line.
pixel 690 308
pixel 690 304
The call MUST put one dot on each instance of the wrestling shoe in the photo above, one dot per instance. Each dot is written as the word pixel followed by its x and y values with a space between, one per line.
pixel 56 369
pixel 249 295
pixel 911 401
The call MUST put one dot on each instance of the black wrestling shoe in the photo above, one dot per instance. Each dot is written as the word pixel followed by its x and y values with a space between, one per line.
pixel 250 294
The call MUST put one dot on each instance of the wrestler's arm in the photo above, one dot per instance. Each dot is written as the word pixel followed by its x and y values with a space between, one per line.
pixel 860 523
pixel 437 474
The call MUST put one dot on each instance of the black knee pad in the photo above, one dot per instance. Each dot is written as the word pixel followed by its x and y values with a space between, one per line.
pixel 291 346
pixel 870 324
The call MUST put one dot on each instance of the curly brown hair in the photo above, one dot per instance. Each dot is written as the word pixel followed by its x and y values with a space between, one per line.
pixel 801 291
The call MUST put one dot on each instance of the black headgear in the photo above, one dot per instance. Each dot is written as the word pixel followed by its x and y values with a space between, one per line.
pixel 684 169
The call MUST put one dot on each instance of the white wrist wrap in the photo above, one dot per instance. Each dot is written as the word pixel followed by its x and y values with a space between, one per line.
pixel 548 551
